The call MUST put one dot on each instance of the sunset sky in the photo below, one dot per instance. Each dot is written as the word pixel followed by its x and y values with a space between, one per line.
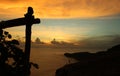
pixel 66 20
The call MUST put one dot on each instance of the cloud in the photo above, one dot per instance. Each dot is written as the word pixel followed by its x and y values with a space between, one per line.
pixel 12 9
pixel 100 42
pixel 64 8
pixel 13 1
pixel 85 8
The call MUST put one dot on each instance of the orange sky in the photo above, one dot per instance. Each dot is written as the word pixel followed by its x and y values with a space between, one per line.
pixel 52 9
pixel 60 8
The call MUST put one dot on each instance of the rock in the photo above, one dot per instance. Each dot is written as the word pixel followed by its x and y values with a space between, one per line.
pixel 104 63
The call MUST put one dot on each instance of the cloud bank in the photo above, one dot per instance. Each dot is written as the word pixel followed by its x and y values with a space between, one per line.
pixel 100 42
pixel 61 8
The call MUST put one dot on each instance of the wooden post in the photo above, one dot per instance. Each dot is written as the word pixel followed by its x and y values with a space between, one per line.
pixel 28 20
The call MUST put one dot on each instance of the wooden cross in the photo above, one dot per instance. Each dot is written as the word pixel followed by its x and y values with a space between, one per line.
pixel 28 20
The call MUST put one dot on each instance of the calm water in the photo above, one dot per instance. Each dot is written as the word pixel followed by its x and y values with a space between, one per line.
pixel 49 59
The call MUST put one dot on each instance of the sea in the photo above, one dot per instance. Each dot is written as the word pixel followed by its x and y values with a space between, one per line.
pixel 51 57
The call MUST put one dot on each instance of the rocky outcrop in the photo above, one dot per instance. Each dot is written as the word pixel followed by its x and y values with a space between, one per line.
pixel 104 63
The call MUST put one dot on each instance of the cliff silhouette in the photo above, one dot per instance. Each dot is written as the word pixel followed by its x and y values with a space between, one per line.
pixel 103 63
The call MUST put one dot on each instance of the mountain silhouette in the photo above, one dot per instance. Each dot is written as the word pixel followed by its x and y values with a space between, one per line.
pixel 104 63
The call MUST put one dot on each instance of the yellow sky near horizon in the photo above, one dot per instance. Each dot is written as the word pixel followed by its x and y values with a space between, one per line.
pixel 60 8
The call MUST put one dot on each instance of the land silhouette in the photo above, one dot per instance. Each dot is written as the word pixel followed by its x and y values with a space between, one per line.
pixel 103 63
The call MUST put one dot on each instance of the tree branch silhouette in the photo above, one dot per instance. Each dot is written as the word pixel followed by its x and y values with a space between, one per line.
pixel 11 56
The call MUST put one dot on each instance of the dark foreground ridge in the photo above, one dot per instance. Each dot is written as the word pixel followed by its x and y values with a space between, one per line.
pixel 104 63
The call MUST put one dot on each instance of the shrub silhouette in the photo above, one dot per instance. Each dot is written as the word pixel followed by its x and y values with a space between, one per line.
pixel 11 56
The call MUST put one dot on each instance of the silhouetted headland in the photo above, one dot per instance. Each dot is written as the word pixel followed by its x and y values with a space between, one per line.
pixel 104 63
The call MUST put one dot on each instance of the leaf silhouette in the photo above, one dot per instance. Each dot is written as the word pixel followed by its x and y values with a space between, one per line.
pixel 6 33
pixel 15 42
pixel 9 36
pixel 35 65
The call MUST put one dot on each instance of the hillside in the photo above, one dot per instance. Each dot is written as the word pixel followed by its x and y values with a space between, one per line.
pixel 104 63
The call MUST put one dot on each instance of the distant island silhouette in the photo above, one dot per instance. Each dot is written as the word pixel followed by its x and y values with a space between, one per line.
pixel 104 63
